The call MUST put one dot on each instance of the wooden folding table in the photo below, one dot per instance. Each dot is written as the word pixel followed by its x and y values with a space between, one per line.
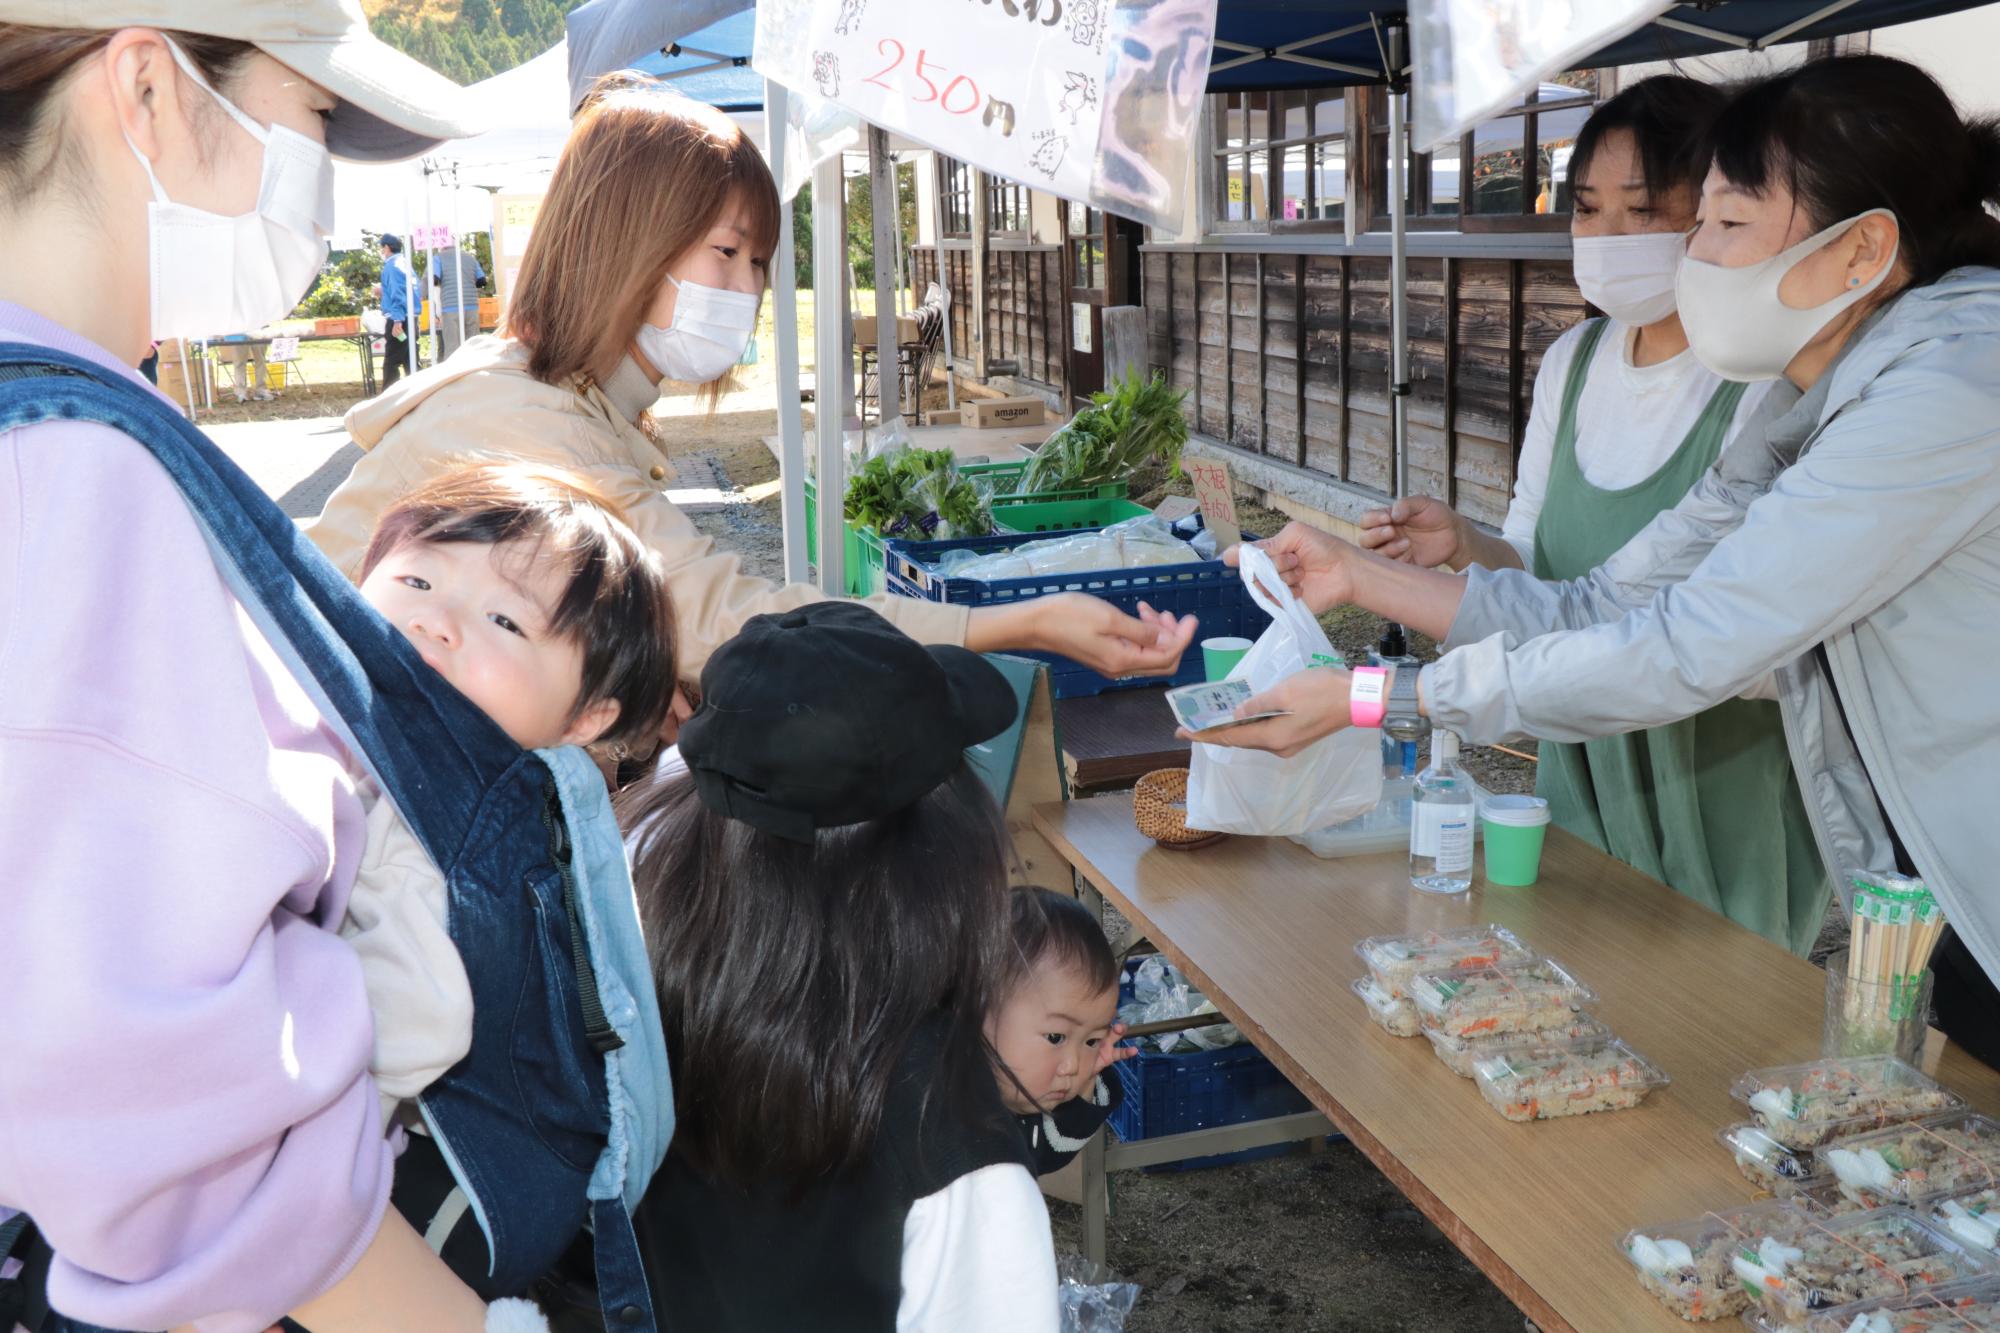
pixel 1267 931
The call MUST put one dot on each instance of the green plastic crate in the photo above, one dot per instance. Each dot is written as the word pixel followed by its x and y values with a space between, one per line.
pixel 1067 515
pixel 866 563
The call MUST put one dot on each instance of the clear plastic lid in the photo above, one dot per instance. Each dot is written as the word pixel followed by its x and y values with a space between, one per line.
pixel 1395 959
pixel 1399 1017
pixel 1510 997
pixel 1763 1160
pixel 1956 1308
pixel 1972 1216
pixel 1689 1266
pixel 1942 1154
pixel 1541 1082
pixel 1460 1054
pixel 1834 1263
pixel 1802 1106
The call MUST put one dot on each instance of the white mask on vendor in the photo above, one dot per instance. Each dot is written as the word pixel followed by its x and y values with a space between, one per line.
pixel 1630 278
pixel 710 330
pixel 1738 325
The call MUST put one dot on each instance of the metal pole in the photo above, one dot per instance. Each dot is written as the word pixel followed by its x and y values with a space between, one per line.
pixel 430 271
pixel 832 392
pixel 888 347
pixel 943 277
pixel 1399 254
pixel 785 322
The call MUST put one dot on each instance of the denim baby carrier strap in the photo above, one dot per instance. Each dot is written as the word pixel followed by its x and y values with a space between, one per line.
pixel 558 1116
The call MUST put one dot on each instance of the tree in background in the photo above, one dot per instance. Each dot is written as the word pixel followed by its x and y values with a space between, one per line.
pixel 486 38
pixel 860 226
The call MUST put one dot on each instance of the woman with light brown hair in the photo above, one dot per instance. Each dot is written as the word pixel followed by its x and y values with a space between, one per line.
pixel 646 268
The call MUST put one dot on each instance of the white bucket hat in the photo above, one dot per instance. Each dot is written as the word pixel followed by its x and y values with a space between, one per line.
pixel 391 106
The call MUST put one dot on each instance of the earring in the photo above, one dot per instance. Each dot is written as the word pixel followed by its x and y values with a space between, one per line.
pixel 1854 282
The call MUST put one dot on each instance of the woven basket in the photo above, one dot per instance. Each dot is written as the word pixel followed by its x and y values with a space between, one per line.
pixel 1159 808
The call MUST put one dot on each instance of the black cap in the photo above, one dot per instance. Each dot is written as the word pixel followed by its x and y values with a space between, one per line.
pixel 829 715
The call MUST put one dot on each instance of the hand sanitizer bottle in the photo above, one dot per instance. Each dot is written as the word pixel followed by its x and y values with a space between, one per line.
pixel 1441 815
pixel 1399 758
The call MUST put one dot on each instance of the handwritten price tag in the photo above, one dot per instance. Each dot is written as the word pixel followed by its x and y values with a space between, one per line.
pixel 1217 498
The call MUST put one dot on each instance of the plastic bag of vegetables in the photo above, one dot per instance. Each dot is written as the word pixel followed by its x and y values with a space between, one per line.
pixel 918 494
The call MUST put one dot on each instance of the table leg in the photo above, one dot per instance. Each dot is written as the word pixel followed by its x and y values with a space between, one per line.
pixel 1096 1197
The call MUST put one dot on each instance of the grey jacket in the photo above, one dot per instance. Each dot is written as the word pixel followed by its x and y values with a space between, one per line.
pixel 1867 520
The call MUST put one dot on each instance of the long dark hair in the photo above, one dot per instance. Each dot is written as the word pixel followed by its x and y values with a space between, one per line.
pixel 793 977
pixel 1854 133
pixel 1668 117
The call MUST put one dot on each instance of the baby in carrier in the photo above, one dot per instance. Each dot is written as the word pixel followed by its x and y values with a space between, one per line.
pixel 524 589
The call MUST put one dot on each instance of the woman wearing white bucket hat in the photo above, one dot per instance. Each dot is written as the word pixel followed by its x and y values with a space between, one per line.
pixel 185 1107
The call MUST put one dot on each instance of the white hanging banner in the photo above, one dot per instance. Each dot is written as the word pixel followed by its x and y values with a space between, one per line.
pixel 1473 59
pixel 1093 100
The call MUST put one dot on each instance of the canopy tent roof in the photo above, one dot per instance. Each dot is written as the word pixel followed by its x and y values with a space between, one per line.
pixel 713 65
pixel 1273 44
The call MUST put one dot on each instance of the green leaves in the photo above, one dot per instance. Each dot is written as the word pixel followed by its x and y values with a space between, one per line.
pixel 1134 423
pixel 917 493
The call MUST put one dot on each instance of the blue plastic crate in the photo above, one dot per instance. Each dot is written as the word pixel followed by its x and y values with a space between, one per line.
pixel 1173 1093
pixel 1207 589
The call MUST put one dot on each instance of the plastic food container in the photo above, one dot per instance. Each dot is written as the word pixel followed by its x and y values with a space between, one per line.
pixel 1396 960
pixel 1802 1106
pixel 1822 1198
pixel 1960 1307
pixel 1530 1082
pixel 1972 1217
pixel 1831 1263
pixel 1396 1017
pixel 1509 997
pixel 1767 1163
pixel 1945 1154
pixel 1460 1054
pixel 1689 1266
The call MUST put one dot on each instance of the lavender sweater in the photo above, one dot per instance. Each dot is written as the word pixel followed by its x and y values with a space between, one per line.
pixel 185 1107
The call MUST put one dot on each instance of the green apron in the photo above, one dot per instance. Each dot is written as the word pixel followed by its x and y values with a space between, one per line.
pixel 1709 805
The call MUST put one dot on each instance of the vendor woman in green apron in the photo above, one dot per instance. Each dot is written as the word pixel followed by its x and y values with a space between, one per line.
pixel 1624 423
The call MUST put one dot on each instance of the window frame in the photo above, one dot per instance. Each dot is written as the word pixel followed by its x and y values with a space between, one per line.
pixel 1010 200
pixel 1365 132
pixel 954 185
pixel 1262 137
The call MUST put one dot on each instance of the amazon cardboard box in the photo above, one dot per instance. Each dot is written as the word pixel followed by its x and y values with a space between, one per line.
pixel 864 330
pixel 990 413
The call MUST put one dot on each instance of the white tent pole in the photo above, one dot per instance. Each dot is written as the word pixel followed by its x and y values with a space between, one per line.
pixel 785 321
pixel 458 248
pixel 887 242
pixel 830 400
pixel 1399 260
pixel 943 277
pixel 430 269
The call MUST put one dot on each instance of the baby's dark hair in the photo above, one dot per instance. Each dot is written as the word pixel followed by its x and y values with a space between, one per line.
pixel 1049 927
pixel 614 606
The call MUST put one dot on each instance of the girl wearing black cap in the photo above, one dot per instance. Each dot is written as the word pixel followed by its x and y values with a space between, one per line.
pixel 824 882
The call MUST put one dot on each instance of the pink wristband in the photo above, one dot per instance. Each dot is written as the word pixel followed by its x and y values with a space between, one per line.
pixel 1366 696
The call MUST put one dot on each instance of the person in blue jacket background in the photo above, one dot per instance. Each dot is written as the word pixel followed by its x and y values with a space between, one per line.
pixel 398 308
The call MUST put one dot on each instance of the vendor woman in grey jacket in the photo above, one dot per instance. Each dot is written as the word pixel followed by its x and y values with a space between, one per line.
pixel 1853 545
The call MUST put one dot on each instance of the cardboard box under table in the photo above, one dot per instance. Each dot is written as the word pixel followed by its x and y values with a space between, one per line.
pixel 1266 930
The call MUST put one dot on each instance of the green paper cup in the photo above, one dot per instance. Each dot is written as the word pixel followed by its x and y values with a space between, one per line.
pixel 1515 827
pixel 1220 656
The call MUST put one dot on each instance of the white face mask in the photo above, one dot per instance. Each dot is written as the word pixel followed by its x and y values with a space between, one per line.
pixel 213 274
pixel 1630 278
pixel 1736 323
pixel 710 330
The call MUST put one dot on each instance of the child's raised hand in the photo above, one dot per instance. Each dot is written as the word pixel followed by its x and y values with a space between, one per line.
pixel 1109 1052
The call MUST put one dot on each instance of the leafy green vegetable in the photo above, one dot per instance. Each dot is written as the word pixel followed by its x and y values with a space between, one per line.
pixel 917 493
pixel 1138 421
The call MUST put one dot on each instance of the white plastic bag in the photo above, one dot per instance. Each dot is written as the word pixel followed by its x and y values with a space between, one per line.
pixel 1250 791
